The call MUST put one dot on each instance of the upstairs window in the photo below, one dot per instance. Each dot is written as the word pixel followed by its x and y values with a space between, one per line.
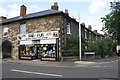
pixel 5 32
pixel 85 34
pixel 68 28
pixel 23 29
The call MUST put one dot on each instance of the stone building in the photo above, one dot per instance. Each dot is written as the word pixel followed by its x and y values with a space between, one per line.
pixel 37 35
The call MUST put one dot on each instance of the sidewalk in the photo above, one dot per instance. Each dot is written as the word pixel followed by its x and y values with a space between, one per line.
pixel 61 63
pixel 99 61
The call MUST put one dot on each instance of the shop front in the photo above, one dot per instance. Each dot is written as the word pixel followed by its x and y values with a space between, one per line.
pixel 42 45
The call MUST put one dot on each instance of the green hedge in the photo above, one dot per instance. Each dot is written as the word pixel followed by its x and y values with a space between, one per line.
pixel 72 46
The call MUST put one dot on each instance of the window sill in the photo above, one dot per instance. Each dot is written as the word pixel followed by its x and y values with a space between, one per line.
pixel 69 33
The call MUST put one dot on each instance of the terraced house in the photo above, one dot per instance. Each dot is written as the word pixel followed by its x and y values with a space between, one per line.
pixel 41 35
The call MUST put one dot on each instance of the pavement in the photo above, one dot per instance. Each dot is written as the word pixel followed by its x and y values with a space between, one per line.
pixel 62 63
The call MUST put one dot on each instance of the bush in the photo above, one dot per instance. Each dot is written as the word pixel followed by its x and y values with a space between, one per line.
pixel 102 47
pixel 72 46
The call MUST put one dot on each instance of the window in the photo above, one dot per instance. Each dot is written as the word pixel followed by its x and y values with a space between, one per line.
pixel 5 32
pixel 28 51
pixel 85 34
pixel 68 28
pixel 23 29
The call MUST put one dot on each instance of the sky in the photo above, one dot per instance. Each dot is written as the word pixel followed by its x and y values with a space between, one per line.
pixel 87 11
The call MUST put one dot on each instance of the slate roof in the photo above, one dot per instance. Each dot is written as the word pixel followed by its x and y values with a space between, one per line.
pixel 32 15
pixel 98 34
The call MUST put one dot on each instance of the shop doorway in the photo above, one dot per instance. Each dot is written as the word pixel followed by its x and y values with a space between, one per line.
pixel 7 49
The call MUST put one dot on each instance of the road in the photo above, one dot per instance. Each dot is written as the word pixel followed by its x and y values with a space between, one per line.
pixel 105 70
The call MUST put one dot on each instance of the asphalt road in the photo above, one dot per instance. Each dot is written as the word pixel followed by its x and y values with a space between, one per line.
pixel 106 70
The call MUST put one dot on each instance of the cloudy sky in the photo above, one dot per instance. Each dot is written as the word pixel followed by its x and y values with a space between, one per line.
pixel 89 11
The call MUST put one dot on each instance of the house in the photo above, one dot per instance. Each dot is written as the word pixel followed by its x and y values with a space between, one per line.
pixel 41 35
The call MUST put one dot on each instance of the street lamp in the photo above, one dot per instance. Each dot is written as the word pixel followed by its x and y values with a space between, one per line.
pixel 80 55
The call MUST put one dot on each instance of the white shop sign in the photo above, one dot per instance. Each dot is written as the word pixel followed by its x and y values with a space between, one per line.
pixel 42 41
pixel 38 36
pixel 48 41
pixel 25 42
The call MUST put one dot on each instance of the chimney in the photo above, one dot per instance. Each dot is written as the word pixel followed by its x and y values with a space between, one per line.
pixel 95 31
pixel 105 34
pixel 83 24
pixel 74 18
pixel 55 6
pixel 89 27
pixel 66 12
pixel 23 10
pixel 2 18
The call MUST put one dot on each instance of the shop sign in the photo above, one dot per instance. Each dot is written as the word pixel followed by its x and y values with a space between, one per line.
pixel 37 36
pixel 48 41
pixel 27 42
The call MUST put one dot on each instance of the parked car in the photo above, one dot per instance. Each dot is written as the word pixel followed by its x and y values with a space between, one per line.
pixel 118 50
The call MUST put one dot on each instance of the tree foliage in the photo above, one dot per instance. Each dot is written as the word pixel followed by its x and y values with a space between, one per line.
pixel 112 21
pixel 102 47
pixel 72 47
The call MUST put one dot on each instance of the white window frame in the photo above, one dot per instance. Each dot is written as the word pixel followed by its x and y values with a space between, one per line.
pixel 5 30
pixel 85 34
pixel 23 28
pixel 68 28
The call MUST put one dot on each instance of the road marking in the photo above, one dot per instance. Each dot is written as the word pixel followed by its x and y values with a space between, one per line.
pixel 107 66
pixel 95 66
pixel 36 73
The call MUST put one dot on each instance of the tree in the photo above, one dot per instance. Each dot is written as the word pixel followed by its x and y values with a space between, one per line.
pixel 102 47
pixel 112 21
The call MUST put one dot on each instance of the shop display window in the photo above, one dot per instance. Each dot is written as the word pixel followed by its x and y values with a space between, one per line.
pixel 47 50
pixel 28 51
pixel 40 51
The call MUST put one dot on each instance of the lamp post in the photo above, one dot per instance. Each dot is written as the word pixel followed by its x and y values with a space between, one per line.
pixel 80 55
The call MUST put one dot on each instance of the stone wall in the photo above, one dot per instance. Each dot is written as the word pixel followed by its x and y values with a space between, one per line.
pixel 43 24
pixel 74 29
pixel 13 31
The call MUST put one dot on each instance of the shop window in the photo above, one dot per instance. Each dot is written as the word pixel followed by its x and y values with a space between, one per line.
pixel 23 29
pixel 42 50
pixel 47 50
pixel 68 28
pixel 28 51
pixel 5 32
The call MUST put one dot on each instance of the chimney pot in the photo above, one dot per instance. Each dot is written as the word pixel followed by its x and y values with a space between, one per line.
pixel 23 10
pixel 55 3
